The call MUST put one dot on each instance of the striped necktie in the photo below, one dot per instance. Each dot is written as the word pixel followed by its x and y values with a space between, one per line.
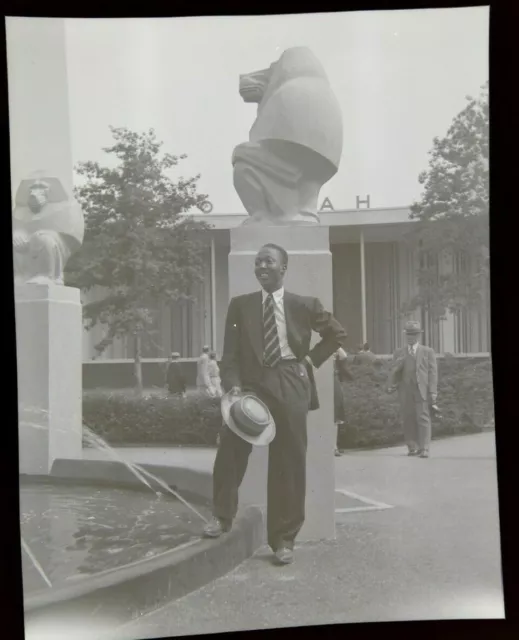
pixel 271 348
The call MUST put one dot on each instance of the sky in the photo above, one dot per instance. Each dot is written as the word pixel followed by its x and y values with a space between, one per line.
pixel 400 78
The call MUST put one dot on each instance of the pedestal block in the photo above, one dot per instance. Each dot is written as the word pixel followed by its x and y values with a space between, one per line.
pixel 309 273
pixel 48 344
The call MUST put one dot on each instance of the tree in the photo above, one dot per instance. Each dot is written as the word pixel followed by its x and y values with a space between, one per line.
pixel 452 231
pixel 137 247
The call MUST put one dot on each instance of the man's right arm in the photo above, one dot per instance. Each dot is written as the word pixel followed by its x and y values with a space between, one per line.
pixel 230 364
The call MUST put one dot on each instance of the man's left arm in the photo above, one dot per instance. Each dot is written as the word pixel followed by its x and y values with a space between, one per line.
pixel 433 376
pixel 332 334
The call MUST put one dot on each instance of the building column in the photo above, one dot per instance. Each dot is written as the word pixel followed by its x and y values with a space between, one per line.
pixel 363 288
pixel 448 325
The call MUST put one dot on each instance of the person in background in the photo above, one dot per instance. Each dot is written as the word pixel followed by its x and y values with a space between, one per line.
pixel 364 356
pixel 341 374
pixel 175 379
pixel 414 373
pixel 203 382
pixel 215 386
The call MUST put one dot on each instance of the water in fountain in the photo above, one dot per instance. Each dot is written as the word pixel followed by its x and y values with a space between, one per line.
pixel 133 527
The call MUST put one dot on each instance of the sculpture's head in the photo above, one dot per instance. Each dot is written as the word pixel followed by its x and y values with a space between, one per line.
pixel 39 189
pixel 296 105
pixel 41 203
pixel 253 85
pixel 38 195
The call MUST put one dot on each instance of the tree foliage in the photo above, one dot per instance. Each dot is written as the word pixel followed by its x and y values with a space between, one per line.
pixel 137 247
pixel 452 232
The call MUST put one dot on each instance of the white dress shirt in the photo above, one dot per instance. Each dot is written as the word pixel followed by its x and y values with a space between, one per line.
pixel 412 348
pixel 279 313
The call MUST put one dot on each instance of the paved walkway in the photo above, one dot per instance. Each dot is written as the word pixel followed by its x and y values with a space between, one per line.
pixel 433 555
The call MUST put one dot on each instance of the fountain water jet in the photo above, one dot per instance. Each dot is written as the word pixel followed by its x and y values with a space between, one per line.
pixel 139 471
pixel 35 562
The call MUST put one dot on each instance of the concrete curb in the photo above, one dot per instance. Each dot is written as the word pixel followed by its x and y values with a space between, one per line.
pixel 122 594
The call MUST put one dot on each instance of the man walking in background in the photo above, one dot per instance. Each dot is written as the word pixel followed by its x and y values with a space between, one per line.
pixel 203 381
pixel 341 373
pixel 214 376
pixel 365 355
pixel 175 379
pixel 267 352
pixel 415 375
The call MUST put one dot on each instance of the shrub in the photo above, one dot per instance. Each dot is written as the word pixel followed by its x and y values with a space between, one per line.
pixel 124 419
pixel 465 398
pixel 372 419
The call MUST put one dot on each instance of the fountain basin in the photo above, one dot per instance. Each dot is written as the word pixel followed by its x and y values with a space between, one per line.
pixel 114 548
pixel 77 531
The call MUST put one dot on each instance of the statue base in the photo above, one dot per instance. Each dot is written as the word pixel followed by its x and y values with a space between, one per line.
pixel 298 220
pixel 309 273
pixel 49 360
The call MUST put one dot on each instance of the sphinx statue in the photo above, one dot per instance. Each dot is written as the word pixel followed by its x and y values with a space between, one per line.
pixel 48 227
pixel 295 143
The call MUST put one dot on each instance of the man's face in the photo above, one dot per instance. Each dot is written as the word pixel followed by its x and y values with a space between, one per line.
pixel 412 338
pixel 269 269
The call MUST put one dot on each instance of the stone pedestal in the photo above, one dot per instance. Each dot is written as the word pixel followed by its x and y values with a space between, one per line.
pixel 48 343
pixel 309 273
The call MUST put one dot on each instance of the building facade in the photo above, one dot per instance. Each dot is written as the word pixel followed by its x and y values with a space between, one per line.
pixel 374 274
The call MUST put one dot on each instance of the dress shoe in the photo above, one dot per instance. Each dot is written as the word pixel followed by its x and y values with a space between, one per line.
pixel 337 453
pixel 424 454
pixel 412 452
pixel 215 527
pixel 284 555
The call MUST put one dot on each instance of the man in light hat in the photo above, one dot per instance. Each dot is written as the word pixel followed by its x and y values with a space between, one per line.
pixel 203 381
pixel 267 370
pixel 415 375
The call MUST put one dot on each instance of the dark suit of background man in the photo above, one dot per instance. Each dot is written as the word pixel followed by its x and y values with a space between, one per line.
pixel 175 379
pixel 273 360
pixel 415 374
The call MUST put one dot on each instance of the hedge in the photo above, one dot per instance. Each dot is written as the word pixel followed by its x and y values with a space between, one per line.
pixel 465 397
pixel 125 419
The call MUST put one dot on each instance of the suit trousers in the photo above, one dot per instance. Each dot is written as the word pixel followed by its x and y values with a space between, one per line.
pixel 286 391
pixel 415 417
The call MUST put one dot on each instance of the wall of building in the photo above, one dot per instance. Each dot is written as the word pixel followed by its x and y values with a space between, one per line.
pixel 390 282
pixel 346 289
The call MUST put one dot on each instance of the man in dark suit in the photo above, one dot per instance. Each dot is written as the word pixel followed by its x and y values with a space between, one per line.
pixel 175 379
pixel 365 355
pixel 267 351
pixel 415 374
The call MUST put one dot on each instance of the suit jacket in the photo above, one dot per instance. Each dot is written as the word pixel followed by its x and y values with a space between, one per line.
pixel 242 359
pixel 426 371
pixel 175 378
